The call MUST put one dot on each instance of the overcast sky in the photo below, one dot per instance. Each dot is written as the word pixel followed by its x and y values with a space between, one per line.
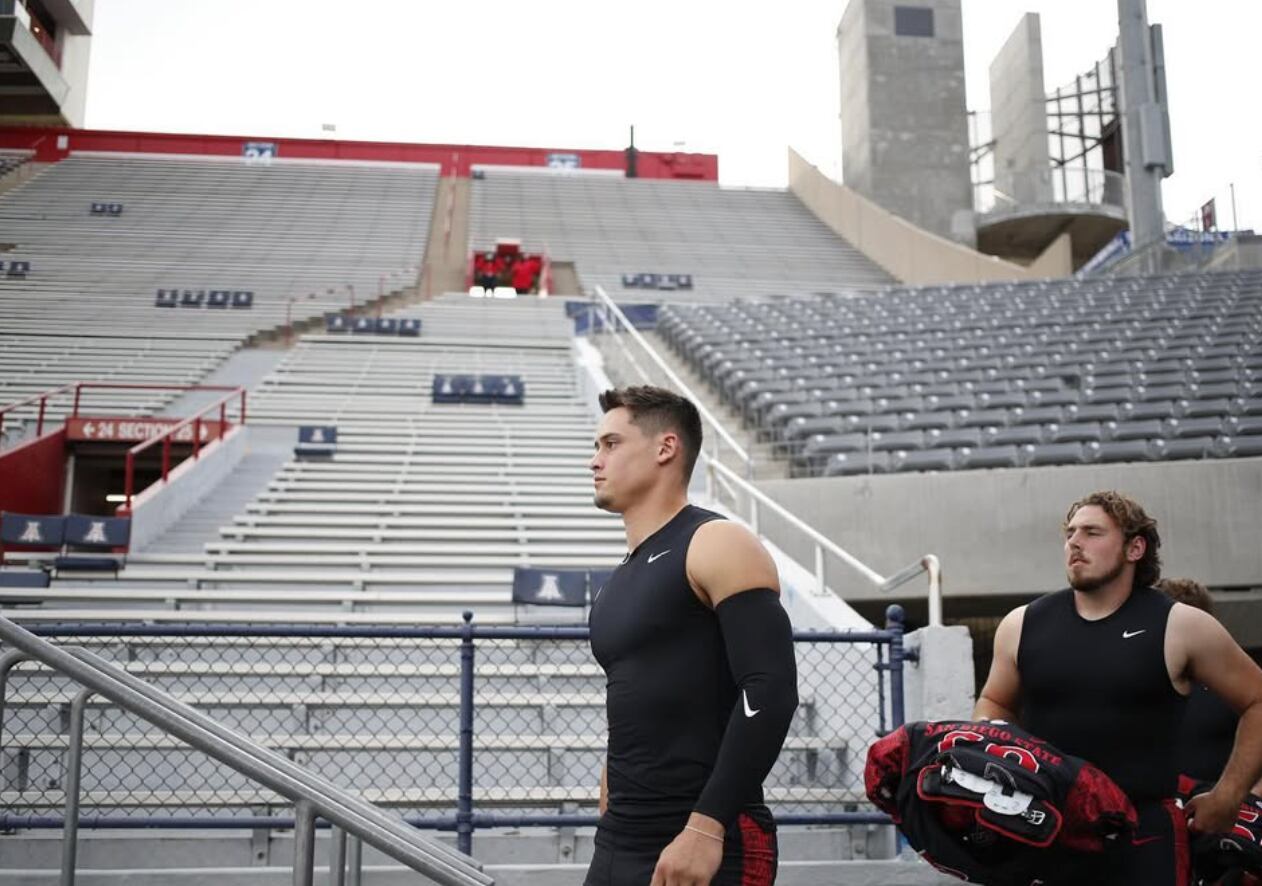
pixel 741 79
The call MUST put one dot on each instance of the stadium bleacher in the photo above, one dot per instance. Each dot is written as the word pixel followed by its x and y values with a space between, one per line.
pixel 285 230
pixel 728 242
pixel 297 237
pixel 1000 375
pixel 11 160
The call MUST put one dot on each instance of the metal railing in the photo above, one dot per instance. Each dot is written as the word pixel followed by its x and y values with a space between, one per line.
pixel 527 738
pixel 195 421
pixel 1076 185
pixel 311 795
pixel 750 501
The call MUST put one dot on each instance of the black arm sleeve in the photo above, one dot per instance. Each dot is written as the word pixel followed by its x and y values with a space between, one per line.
pixel 759 643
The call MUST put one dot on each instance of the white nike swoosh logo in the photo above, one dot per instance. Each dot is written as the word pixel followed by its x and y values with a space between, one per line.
pixel 749 712
pixel 662 554
pixel 1126 635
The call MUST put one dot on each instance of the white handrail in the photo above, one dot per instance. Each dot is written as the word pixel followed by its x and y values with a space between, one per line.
pixel 720 475
pixel 824 545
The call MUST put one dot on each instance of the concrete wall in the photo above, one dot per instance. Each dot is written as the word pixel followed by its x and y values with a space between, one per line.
pixel 911 254
pixel 903 114
pixel 939 685
pixel 998 531
pixel 158 507
pixel 1019 116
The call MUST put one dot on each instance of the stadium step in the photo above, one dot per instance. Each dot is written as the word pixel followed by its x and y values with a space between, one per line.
pixel 268 450
pixel 531 857
pixel 245 367
pixel 447 252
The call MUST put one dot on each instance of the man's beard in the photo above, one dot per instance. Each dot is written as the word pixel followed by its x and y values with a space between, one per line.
pixel 603 500
pixel 1088 585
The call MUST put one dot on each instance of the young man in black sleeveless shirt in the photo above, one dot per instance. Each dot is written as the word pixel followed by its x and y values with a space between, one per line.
pixel 1102 670
pixel 698 656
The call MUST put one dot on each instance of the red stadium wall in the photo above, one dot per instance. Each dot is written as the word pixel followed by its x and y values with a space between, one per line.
pixel 32 475
pixel 454 159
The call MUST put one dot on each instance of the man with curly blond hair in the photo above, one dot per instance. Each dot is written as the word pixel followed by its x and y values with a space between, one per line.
pixel 1103 669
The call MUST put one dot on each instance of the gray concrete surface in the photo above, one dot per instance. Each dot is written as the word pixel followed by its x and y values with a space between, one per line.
pixel 903 115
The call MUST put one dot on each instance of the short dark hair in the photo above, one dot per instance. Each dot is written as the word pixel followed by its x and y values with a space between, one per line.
pixel 1134 522
pixel 1189 591
pixel 655 410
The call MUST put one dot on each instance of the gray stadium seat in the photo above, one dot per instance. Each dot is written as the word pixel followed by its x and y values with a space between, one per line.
pixel 801 428
pixel 1242 447
pixel 990 457
pixel 1160 410
pixel 898 440
pixel 849 463
pixel 1102 412
pixel 1056 398
pixel 1109 395
pixel 1204 408
pixel 1222 390
pixel 954 438
pixel 1246 426
pixel 873 423
pixel 984 418
pixel 1148 429
pixel 1016 436
pixel 930 421
pixel 1181 428
pixel 1189 447
pixel 925 460
pixel 1076 432
pixel 1122 450
pixel 1037 415
pixel 1054 454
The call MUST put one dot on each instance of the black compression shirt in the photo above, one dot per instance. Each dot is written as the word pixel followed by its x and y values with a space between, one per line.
pixel 670 688
pixel 1207 736
pixel 1101 689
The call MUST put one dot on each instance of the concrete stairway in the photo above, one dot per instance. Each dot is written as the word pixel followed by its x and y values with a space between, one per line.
pixel 245 368
pixel 447 252
pixel 269 447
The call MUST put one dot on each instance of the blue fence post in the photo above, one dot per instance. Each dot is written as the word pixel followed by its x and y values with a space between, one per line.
pixel 464 795
pixel 895 622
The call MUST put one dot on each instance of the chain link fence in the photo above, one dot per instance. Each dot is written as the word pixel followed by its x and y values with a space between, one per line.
pixel 448 727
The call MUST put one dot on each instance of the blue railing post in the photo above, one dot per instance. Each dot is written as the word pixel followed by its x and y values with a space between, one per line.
pixel 895 622
pixel 464 795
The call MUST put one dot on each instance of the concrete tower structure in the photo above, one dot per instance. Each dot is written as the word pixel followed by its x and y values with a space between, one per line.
pixel 903 113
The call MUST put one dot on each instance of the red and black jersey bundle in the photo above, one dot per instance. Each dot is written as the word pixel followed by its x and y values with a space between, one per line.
pixel 990 803
pixel 1234 857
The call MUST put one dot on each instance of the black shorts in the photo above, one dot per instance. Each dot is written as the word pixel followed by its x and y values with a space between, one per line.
pixel 1158 854
pixel 750 856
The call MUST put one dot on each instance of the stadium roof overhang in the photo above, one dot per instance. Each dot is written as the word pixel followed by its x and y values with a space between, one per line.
pixel 31 87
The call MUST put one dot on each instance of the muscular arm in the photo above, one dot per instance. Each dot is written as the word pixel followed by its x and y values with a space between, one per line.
pixel 1001 695
pixel 735 575
pixel 730 571
pixel 1203 652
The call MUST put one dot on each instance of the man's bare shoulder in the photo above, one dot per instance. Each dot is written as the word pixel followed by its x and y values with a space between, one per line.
pixel 725 557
